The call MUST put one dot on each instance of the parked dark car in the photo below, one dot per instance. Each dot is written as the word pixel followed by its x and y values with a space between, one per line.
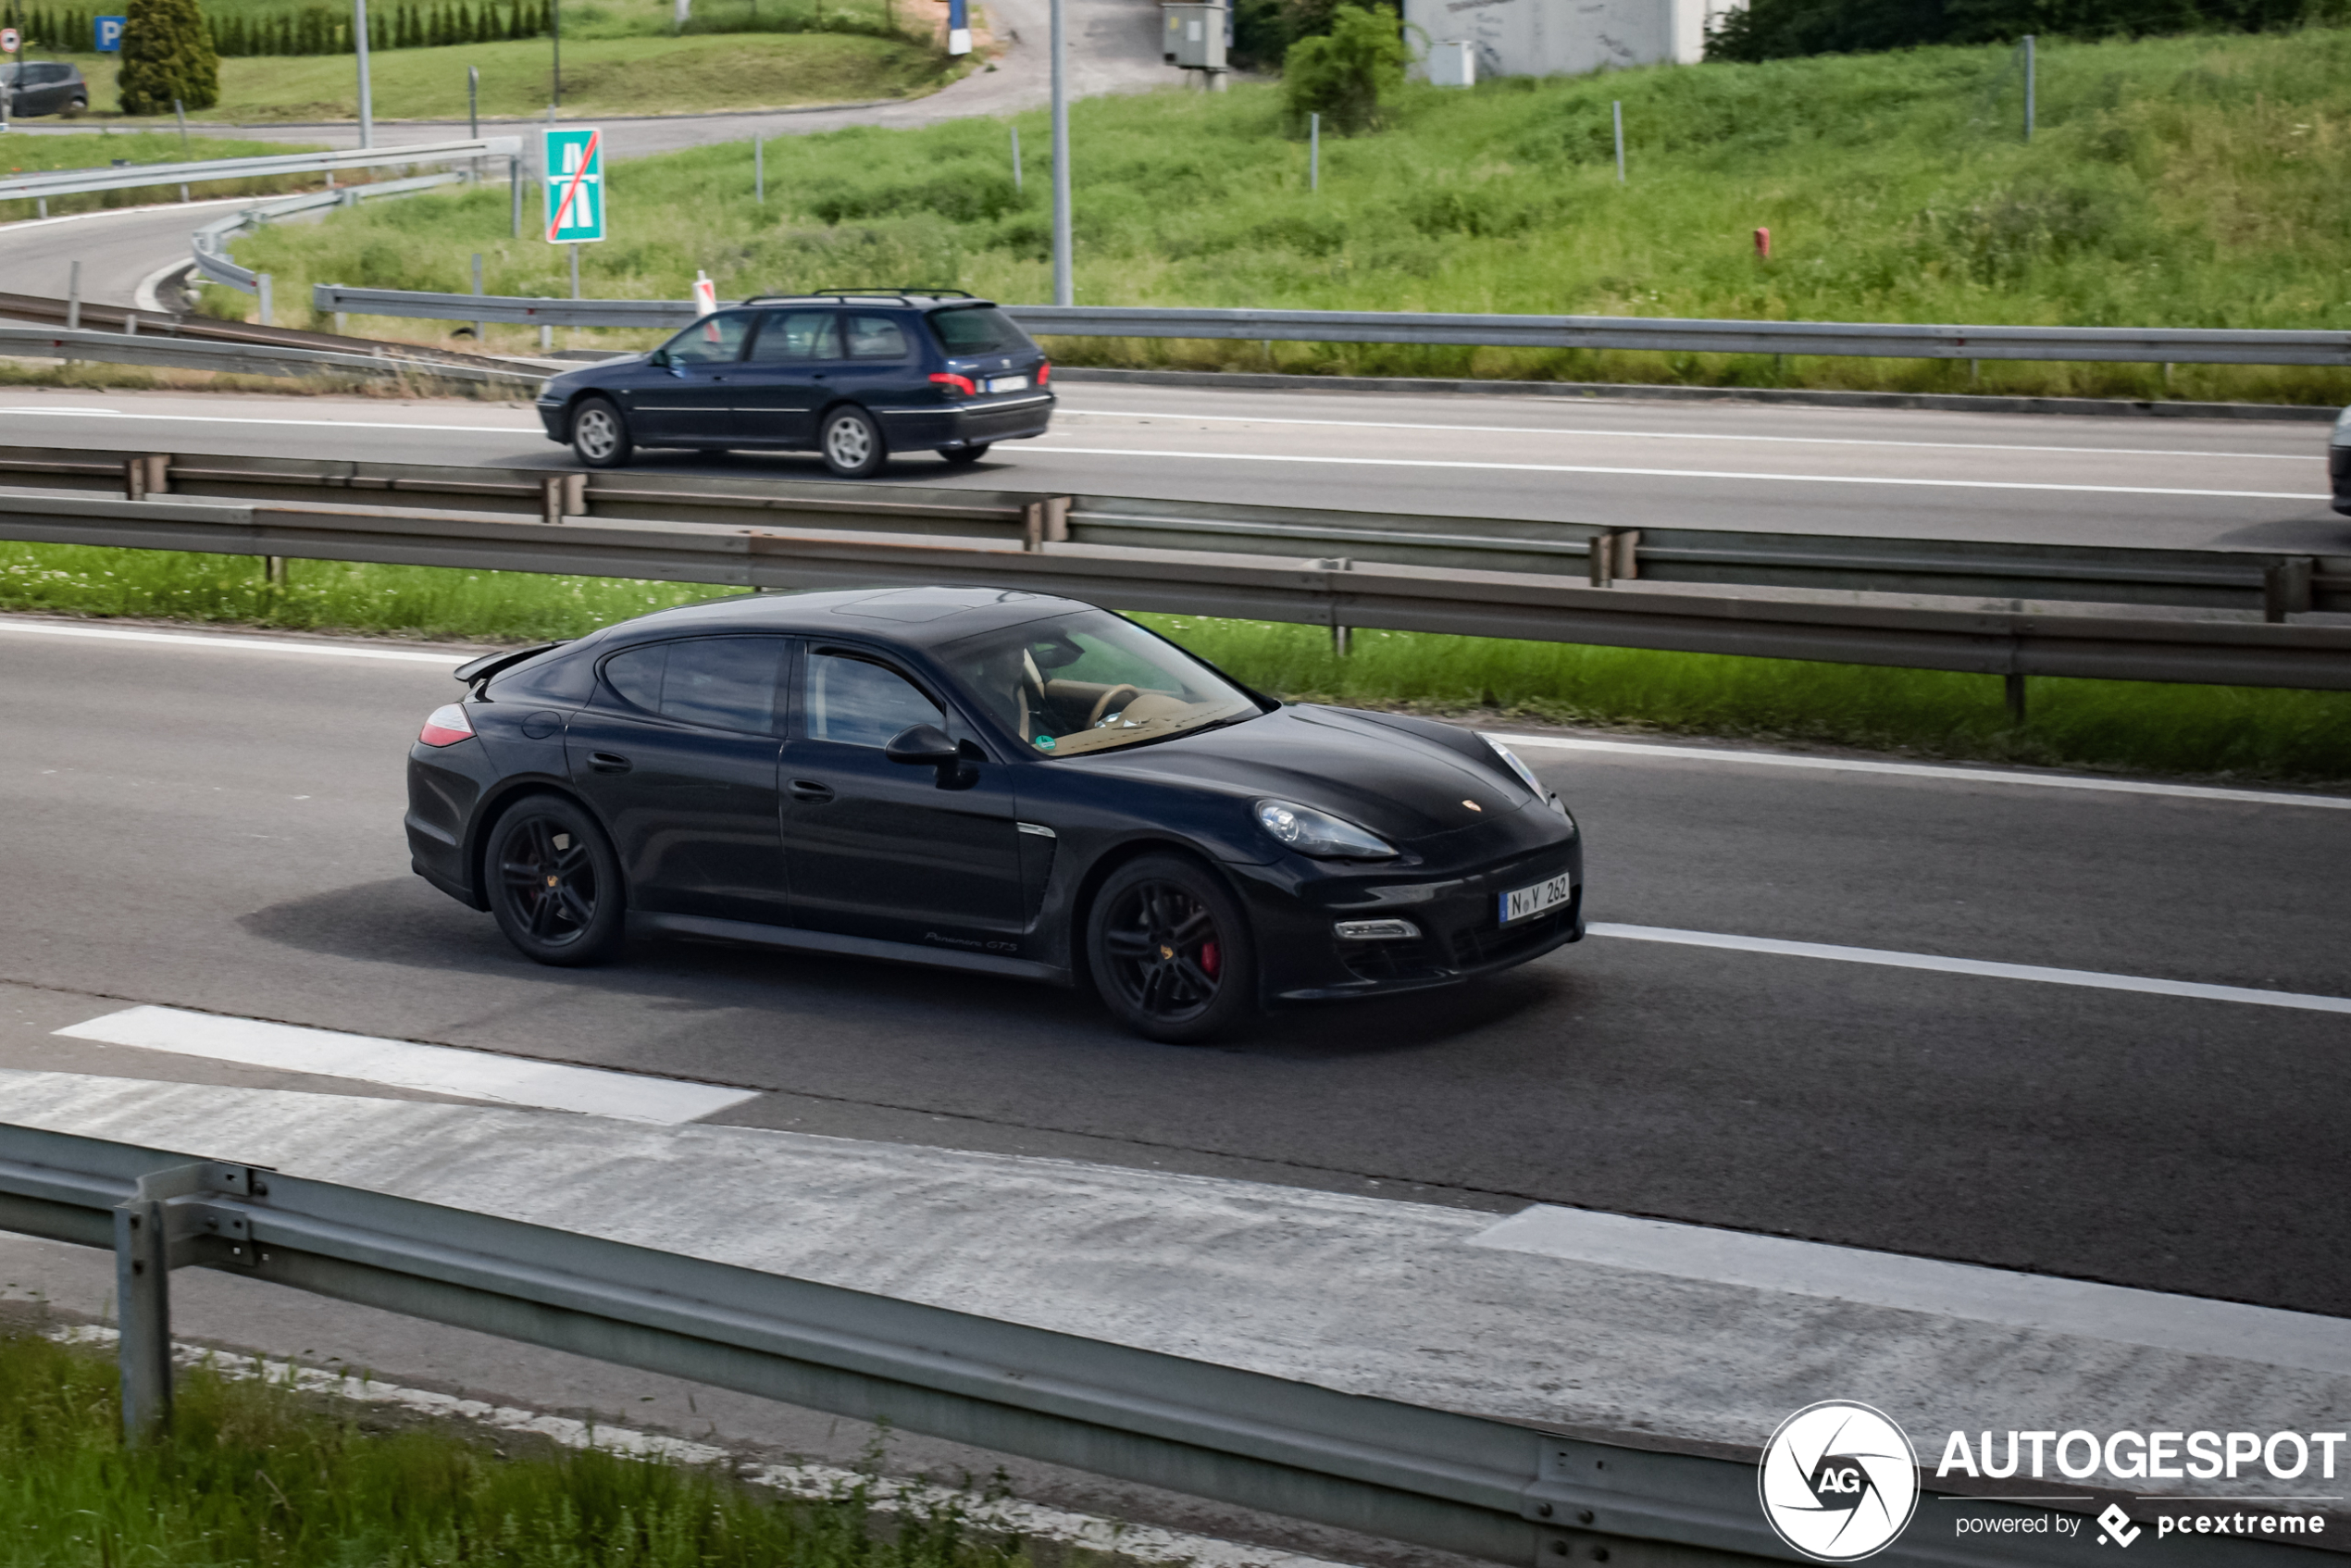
pixel 45 87
pixel 854 376
pixel 986 780
pixel 2339 462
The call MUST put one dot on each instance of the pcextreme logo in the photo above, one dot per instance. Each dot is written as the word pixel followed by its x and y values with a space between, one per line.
pixel 1839 1481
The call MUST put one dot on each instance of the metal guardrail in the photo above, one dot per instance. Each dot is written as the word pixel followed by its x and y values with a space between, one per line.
pixel 249 359
pixel 209 244
pixel 810 534
pixel 68 183
pixel 47 311
pixel 1459 1482
pixel 2184 345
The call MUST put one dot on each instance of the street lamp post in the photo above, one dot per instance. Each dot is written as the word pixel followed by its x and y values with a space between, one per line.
pixel 1064 288
pixel 366 89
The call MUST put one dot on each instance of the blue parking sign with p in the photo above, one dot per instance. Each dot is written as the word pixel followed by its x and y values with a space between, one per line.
pixel 105 34
pixel 575 166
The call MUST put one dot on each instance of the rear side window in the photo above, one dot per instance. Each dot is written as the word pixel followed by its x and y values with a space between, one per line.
pixel 791 336
pixel 876 337
pixel 981 328
pixel 858 703
pixel 717 682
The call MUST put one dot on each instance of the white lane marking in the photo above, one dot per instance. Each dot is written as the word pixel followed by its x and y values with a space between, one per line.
pixel 441 1069
pixel 2228 1329
pixel 1067 412
pixel 1928 770
pixel 218 640
pixel 1984 967
pixel 1685 473
pixel 319 424
pixel 1113 1538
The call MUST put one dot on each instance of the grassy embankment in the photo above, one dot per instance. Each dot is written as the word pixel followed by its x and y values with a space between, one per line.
pixel 2184 181
pixel 2292 736
pixel 259 1477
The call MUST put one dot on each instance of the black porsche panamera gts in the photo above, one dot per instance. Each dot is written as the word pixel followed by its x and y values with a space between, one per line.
pixel 986 780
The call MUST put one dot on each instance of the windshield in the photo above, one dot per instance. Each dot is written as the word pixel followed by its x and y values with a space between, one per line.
pixel 1092 681
pixel 977 329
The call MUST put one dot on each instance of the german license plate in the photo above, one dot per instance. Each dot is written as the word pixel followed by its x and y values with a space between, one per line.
pixel 1007 384
pixel 1526 904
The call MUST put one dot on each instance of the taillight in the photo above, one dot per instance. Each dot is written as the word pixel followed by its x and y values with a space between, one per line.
pixel 961 383
pixel 1044 371
pixel 447 727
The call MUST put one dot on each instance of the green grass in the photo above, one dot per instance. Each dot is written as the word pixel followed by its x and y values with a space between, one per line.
pixel 2183 181
pixel 258 1477
pixel 615 75
pixel 24 155
pixel 2221 731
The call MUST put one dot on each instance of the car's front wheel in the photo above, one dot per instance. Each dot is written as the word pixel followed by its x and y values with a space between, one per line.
pixel 554 883
pixel 600 434
pixel 853 443
pixel 1170 951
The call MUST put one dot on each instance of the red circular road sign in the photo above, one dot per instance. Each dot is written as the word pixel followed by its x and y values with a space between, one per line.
pixel 10 42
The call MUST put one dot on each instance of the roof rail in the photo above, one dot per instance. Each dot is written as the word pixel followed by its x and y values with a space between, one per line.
pixel 903 296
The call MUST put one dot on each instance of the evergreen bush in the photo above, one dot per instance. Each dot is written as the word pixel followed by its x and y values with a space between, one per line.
pixel 1346 74
pixel 166 57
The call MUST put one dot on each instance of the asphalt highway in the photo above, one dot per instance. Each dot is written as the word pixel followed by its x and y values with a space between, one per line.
pixel 217 827
pixel 1870 472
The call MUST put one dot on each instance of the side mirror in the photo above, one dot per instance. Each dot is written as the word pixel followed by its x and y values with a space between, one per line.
pixel 658 360
pixel 923 745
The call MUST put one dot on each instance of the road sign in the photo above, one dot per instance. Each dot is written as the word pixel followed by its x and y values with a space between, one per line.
pixel 10 42
pixel 575 166
pixel 105 34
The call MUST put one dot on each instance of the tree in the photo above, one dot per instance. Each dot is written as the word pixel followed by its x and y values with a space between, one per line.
pixel 167 56
pixel 1347 74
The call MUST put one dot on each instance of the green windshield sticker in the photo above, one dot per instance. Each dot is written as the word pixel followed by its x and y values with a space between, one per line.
pixel 1044 742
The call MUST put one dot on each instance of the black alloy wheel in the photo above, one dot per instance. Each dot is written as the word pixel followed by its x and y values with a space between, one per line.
pixel 1170 951
pixel 962 455
pixel 853 443
pixel 554 883
pixel 600 433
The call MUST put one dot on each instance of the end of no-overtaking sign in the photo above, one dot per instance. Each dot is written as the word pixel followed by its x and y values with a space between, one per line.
pixel 575 173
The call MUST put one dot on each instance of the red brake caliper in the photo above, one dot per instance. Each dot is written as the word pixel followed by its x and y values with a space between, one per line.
pixel 1209 959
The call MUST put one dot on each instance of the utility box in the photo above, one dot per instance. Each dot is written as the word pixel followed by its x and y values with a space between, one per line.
pixel 1451 64
pixel 1193 36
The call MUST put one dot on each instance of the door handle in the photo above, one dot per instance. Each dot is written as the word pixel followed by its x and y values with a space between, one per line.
pixel 810 790
pixel 609 762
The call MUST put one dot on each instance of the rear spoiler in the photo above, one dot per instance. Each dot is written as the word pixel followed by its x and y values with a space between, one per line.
pixel 475 672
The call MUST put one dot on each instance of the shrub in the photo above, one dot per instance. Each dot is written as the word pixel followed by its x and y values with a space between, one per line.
pixel 166 55
pixel 1348 75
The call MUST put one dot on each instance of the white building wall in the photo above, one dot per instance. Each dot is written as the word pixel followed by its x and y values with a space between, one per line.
pixel 1569 37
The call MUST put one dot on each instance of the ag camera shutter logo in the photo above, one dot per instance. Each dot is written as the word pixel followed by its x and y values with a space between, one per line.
pixel 1839 1481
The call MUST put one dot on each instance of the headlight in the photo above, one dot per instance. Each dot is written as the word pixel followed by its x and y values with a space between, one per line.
pixel 1525 776
pixel 2342 430
pixel 1319 833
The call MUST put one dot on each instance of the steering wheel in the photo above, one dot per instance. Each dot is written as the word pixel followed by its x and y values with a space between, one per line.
pixel 1101 703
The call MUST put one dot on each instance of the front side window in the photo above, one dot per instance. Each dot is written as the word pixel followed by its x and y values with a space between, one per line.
pixel 716 682
pixel 789 337
pixel 876 337
pixel 1092 681
pixel 857 702
pixel 711 340
pixel 978 329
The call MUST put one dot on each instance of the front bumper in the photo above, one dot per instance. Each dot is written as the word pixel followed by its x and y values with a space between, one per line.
pixel 2339 469
pixel 1302 959
pixel 1015 416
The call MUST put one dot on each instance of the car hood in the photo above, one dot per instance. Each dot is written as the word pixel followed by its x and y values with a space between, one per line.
pixel 1400 786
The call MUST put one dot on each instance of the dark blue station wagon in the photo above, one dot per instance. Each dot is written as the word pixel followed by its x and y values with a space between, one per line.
pixel 855 375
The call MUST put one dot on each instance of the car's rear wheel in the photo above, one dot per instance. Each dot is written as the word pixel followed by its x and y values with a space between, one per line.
pixel 600 434
pixel 853 443
pixel 74 108
pixel 965 453
pixel 554 883
pixel 1170 951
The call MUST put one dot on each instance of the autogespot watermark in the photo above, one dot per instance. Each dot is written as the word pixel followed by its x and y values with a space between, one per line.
pixel 1840 1482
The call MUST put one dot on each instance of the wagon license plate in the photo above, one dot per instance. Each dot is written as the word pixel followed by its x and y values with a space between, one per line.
pixel 1007 384
pixel 1524 903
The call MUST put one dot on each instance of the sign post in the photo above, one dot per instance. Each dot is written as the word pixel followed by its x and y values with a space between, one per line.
pixel 12 42
pixel 574 170
pixel 105 34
